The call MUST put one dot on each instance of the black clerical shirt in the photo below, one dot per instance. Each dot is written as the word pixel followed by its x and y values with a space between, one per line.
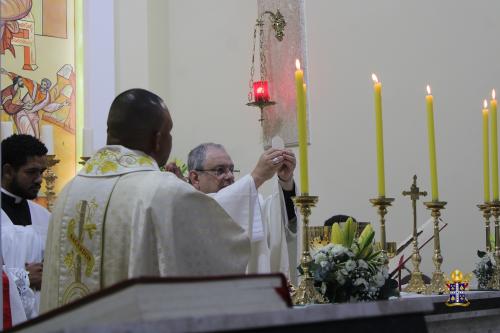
pixel 19 213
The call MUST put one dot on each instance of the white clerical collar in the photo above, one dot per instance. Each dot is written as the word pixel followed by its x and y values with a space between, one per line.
pixel 18 198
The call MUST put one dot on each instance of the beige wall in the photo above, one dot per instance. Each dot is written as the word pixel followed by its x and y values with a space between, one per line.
pixel 197 57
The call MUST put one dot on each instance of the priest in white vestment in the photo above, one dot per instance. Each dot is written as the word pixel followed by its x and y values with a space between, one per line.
pixel 121 217
pixel 271 223
pixel 24 223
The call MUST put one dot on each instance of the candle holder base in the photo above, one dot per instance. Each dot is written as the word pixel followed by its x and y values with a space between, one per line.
pixel 438 282
pixel 437 285
pixel 306 293
pixel 416 284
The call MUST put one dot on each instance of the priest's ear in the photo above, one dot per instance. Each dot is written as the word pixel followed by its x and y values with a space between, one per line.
pixel 8 172
pixel 194 179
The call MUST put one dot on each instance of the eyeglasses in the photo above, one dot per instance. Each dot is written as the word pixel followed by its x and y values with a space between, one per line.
pixel 221 171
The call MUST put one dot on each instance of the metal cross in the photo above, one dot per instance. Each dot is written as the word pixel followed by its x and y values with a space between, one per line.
pixel 414 194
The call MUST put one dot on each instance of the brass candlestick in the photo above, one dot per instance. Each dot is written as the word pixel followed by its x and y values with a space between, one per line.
pixel 438 283
pixel 382 203
pixel 486 210
pixel 306 293
pixel 50 179
pixel 84 160
pixel 495 211
pixel 416 284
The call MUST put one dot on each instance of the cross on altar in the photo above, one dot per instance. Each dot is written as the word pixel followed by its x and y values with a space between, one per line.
pixel 414 194
pixel 416 283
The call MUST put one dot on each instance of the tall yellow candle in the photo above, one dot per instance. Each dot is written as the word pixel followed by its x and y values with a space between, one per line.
pixel 494 146
pixel 302 128
pixel 486 153
pixel 377 92
pixel 432 144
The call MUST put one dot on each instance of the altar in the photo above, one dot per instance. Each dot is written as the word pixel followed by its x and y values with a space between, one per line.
pixel 142 306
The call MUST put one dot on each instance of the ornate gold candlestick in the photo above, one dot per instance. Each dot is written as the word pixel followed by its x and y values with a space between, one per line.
pixel 50 179
pixel 495 211
pixel 416 284
pixel 306 293
pixel 84 160
pixel 438 283
pixel 382 203
pixel 486 210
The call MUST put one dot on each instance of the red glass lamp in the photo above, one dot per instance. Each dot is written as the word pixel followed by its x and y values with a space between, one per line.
pixel 259 95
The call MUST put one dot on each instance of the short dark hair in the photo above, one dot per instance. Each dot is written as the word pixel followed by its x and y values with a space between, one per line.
pixel 17 148
pixel 134 114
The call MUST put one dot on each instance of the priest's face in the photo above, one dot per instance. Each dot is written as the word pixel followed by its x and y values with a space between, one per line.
pixel 27 180
pixel 217 171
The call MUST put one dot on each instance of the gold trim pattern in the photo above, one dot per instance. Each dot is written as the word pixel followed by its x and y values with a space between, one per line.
pixel 109 160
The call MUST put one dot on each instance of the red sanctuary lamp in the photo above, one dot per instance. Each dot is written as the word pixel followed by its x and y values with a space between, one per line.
pixel 259 95
pixel 261 91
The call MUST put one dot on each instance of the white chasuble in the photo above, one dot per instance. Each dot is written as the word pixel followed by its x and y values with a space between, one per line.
pixel 266 223
pixel 121 217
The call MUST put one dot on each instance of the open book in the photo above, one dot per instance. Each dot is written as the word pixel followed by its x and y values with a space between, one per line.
pixel 150 299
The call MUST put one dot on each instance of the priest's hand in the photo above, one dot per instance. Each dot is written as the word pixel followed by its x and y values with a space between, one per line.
pixel 269 163
pixel 35 274
pixel 285 172
pixel 173 168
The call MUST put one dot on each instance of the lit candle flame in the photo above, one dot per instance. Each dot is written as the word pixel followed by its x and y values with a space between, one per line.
pixel 493 95
pixel 297 64
pixel 428 89
pixel 485 104
pixel 374 78
pixel 260 90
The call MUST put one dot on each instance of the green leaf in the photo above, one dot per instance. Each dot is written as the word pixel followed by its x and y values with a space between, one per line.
pixel 366 247
pixel 337 235
pixel 350 228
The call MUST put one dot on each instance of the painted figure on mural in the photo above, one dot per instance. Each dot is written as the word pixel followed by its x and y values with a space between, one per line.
pixel 12 11
pixel 24 110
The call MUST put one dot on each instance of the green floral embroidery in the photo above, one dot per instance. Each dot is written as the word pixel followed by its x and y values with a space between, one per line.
pixel 144 160
pixel 108 160
pixel 108 166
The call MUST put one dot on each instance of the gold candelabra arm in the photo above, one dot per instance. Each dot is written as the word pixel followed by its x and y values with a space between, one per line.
pixel 495 211
pixel 486 210
pixel 382 203
pixel 50 178
pixel 438 283
pixel 306 293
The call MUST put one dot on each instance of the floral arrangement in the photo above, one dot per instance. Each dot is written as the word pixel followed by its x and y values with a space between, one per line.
pixel 484 269
pixel 349 269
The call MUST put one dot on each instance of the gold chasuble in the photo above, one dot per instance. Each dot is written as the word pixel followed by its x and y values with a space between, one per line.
pixel 121 217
